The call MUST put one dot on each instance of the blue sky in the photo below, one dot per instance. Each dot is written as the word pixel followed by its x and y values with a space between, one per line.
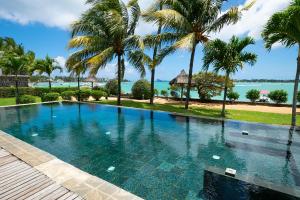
pixel 44 30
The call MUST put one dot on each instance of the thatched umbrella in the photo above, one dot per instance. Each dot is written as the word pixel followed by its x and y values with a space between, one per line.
pixel 91 79
pixel 181 80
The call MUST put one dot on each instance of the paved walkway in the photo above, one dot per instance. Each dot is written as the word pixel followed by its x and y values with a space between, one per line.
pixel 19 180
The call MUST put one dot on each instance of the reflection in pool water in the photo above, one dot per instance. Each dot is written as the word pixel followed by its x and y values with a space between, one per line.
pixel 155 155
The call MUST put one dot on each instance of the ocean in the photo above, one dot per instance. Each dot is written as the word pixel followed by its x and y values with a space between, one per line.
pixel 240 87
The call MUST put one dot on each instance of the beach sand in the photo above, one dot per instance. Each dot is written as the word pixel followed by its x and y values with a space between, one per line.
pixel 247 107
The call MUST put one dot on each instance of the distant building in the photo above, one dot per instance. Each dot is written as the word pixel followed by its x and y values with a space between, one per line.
pixel 10 80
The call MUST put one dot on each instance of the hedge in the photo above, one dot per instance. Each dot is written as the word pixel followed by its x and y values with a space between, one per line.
pixel 6 92
pixel 53 96
pixel 24 99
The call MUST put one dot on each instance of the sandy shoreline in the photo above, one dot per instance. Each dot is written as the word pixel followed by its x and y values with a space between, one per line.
pixel 246 107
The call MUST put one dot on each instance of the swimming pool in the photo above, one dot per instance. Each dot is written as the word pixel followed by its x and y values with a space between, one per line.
pixel 155 155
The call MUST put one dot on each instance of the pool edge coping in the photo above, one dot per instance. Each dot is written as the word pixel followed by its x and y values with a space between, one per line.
pixel 88 186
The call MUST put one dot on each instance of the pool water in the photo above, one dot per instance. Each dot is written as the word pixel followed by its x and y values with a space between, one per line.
pixel 155 155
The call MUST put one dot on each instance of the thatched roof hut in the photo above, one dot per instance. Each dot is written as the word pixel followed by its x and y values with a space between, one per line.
pixel 91 79
pixel 181 80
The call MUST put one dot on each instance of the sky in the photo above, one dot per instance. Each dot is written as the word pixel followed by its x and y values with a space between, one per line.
pixel 43 27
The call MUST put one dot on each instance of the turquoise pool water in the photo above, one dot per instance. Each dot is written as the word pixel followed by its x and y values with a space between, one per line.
pixel 154 155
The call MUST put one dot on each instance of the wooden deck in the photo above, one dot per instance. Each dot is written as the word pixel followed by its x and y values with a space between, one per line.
pixel 19 180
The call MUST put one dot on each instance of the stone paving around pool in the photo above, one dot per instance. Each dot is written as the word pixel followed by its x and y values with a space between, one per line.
pixel 86 185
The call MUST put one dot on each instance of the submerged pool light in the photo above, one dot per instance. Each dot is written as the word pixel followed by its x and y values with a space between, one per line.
pixel 107 133
pixel 111 168
pixel 34 134
pixel 216 157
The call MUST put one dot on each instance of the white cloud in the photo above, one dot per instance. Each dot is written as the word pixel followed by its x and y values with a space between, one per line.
pixel 253 20
pixel 52 13
pixel 61 61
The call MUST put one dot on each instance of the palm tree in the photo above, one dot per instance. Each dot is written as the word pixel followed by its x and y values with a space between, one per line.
pixel 283 27
pixel 106 31
pixel 228 57
pixel 47 65
pixel 189 22
pixel 17 62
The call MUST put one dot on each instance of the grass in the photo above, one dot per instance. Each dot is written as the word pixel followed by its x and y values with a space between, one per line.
pixel 249 116
pixel 12 101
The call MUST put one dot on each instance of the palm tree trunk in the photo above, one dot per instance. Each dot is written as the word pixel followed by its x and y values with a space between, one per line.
pixel 190 77
pixel 225 95
pixel 78 85
pixel 17 90
pixel 153 69
pixel 49 82
pixel 119 80
pixel 294 109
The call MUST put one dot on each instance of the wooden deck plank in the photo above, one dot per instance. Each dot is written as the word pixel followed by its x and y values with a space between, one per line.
pixel 65 196
pixel 7 159
pixel 21 188
pixel 19 181
pixel 16 175
pixel 55 195
pixel 44 192
pixel 25 194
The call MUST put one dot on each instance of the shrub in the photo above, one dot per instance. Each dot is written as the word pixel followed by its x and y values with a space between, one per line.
pixel 141 90
pixel 24 99
pixel 278 96
pixel 84 94
pixel 253 95
pixel 53 96
pixel 174 94
pixel 6 92
pixel 67 95
pixel 233 96
pixel 298 96
pixel 156 93
pixel 97 94
pixel 112 87
pixel 164 93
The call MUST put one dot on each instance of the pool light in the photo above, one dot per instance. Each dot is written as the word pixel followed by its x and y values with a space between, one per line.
pixel 216 157
pixel 34 135
pixel 245 132
pixel 230 172
pixel 111 168
pixel 107 133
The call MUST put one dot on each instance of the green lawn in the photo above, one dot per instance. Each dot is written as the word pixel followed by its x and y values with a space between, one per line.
pixel 250 116
pixel 12 101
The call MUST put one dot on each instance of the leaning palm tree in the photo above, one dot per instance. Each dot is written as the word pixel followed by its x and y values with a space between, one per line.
pixel 228 57
pixel 283 27
pixel 105 32
pixel 47 65
pixel 190 22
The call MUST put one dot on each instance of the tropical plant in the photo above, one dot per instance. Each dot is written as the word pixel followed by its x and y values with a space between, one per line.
pixel 141 90
pixel 164 93
pixel 283 27
pixel 298 96
pixel 83 94
pixel 278 96
pixel 209 84
pixel 106 31
pixel 52 96
pixel 228 57
pixel 24 99
pixel 187 23
pixel 97 94
pixel 15 61
pixel 253 95
pixel 233 96
pixel 67 95
pixel 47 66
pixel 112 87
